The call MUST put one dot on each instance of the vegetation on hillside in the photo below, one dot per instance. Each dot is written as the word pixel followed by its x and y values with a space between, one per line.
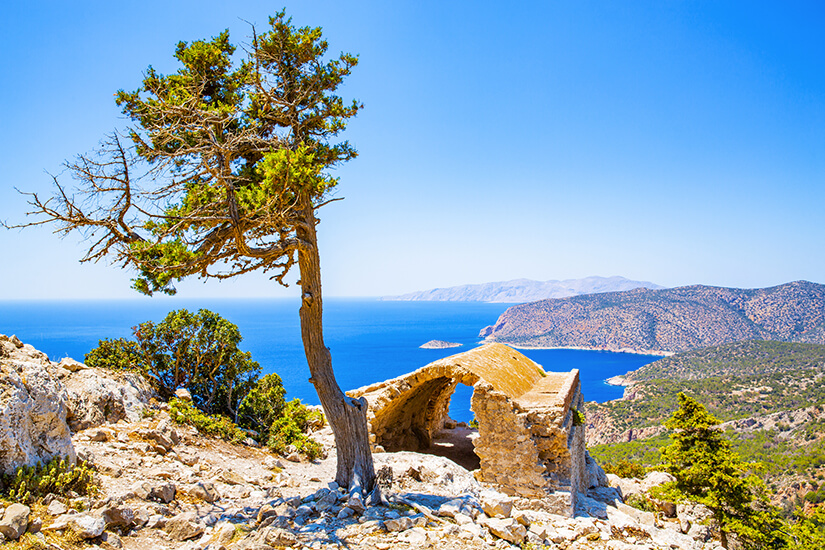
pixel 199 352
pixel 707 471
pixel 770 393
pixel 675 319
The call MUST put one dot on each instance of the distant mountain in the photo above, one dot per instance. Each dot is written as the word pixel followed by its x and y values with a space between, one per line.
pixel 523 290
pixel 675 319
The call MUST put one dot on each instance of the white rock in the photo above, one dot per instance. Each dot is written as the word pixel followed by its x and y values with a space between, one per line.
pixel 86 526
pixel 33 409
pixel 508 529
pixel 97 396
pixel 415 537
pixel 15 521
pixel 496 504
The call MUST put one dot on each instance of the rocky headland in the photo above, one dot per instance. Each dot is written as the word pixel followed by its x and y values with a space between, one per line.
pixel 667 320
pixel 163 485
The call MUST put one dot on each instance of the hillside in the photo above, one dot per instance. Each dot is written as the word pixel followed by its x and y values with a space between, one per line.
pixel 770 395
pixel 674 319
pixel 523 290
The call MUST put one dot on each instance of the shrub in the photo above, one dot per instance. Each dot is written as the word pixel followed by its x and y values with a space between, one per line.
pixel 640 502
pixel 183 412
pixel 626 469
pixel 263 405
pixel 198 351
pixel 58 476
pixel 117 354
pixel 290 427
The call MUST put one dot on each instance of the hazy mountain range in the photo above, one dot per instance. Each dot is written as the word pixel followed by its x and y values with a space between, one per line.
pixel 523 290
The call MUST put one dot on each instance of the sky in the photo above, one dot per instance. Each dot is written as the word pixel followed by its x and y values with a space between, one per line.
pixel 673 142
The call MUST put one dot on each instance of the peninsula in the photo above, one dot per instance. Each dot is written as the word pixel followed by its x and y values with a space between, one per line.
pixel 668 320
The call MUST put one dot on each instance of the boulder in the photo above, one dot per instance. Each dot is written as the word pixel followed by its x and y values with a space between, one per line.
pixel 595 475
pixel 33 408
pixel 204 491
pixel 183 527
pixel 116 516
pixel 153 490
pixel 496 504
pixel 508 529
pixel 97 396
pixel 15 521
pixel 87 526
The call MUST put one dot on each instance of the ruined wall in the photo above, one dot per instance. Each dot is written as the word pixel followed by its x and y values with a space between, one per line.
pixel 530 439
pixel 533 446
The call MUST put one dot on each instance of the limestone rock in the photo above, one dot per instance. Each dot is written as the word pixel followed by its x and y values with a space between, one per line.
pixel 183 527
pixel 204 491
pixel 596 476
pixel 508 529
pixel 15 521
pixel 399 524
pixel 115 516
pixel 87 526
pixel 183 393
pixel 495 504
pixel 56 508
pixel 33 408
pixel 97 396
pixel 152 490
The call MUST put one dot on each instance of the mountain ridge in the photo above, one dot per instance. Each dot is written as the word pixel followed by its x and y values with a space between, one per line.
pixel 523 290
pixel 671 320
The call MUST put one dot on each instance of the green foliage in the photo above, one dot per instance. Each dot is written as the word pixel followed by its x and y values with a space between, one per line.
pixel 708 472
pixel 640 502
pixel 263 405
pixel 578 417
pixel 183 412
pixel 647 452
pixel 198 351
pixel 291 427
pixel 117 354
pixel 58 476
pixel 808 531
pixel 625 469
pixel 248 141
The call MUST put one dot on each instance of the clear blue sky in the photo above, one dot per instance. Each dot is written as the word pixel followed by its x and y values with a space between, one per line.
pixel 676 142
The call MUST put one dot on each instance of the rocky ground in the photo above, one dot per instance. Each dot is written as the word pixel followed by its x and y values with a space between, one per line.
pixel 165 486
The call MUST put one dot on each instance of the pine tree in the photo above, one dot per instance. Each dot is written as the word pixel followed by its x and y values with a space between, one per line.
pixel 708 472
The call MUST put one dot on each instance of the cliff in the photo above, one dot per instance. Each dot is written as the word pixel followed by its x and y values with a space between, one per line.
pixel 674 320
pixel 523 290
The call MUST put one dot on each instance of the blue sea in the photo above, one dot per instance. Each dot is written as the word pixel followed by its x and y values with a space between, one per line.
pixel 370 340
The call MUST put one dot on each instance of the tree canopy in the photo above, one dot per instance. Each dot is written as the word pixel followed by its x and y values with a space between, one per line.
pixel 708 472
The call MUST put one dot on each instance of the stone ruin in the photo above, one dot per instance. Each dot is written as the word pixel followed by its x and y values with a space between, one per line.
pixel 530 440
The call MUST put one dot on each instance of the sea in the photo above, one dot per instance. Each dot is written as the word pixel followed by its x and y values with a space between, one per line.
pixel 371 340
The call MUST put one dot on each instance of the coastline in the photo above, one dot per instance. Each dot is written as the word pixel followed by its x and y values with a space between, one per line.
pixel 585 348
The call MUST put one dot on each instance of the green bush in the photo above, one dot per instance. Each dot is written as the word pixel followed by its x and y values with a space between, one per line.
pixel 183 412
pixel 198 351
pixel 625 468
pixel 263 405
pixel 117 354
pixel 58 476
pixel 291 427
pixel 640 502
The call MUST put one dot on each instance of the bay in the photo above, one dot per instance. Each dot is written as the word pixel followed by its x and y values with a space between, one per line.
pixel 370 340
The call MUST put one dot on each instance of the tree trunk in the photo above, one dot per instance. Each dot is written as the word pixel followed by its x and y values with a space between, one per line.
pixel 346 416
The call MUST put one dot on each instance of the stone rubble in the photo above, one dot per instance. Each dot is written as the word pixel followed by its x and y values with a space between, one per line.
pixel 165 486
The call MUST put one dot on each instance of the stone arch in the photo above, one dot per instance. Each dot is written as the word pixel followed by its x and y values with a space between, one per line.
pixel 530 439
